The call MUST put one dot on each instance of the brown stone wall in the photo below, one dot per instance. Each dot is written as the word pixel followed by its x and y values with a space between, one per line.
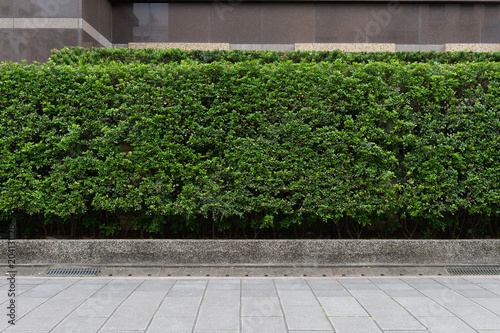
pixel 323 22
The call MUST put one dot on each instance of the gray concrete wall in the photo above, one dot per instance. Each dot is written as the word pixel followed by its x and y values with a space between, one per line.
pixel 258 252
pixel 30 29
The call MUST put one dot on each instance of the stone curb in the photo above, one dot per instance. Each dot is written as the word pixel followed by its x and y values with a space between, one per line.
pixel 257 252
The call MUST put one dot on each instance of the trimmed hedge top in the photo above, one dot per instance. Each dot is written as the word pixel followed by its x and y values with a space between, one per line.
pixel 123 55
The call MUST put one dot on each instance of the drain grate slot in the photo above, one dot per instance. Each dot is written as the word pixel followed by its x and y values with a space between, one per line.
pixel 73 272
pixel 473 270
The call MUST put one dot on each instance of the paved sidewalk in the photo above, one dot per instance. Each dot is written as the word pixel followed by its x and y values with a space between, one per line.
pixel 263 305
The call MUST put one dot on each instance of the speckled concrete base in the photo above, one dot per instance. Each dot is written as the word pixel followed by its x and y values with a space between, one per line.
pixel 346 47
pixel 182 46
pixel 258 252
pixel 473 47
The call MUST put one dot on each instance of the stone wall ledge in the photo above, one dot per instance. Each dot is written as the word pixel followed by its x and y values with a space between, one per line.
pixel 182 46
pixel 472 47
pixel 346 47
pixel 256 252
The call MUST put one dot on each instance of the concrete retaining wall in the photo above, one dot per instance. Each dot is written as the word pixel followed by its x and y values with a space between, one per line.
pixel 257 252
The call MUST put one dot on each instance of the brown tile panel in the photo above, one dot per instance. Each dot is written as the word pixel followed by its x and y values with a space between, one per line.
pixel 341 23
pixel 124 22
pixel 89 41
pixel 90 12
pixel 141 23
pixel 35 45
pixel 46 8
pixel 189 23
pixel 98 13
pixel 236 24
pixel 159 19
pixel 392 23
pixel 449 23
pixel 7 44
pixel 284 23
pixel 6 8
pixel 490 27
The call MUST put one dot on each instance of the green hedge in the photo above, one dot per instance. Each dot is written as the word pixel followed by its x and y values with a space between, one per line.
pixel 123 55
pixel 181 148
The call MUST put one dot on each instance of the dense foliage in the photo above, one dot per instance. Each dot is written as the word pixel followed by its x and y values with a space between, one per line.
pixel 211 149
pixel 76 56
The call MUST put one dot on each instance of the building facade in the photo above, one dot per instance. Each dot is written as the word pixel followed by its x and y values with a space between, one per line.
pixel 29 29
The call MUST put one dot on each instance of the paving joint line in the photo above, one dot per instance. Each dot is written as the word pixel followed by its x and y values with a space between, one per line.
pixel 79 304
pixel 117 307
pixel 470 298
pixel 454 314
pixel 321 305
pixel 159 305
pixel 44 301
pixel 362 306
pixel 199 307
pixel 281 305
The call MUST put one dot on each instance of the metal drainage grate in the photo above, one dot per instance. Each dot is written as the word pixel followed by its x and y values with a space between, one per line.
pixel 473 270
pixel 73 271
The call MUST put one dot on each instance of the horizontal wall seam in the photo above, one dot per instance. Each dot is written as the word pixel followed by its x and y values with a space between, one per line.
pixel 6 23
pixel 54 23
pixel 182 46
pixel 46 23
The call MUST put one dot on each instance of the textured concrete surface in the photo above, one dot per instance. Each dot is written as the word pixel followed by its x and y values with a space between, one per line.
pixel 350 305
pixel 182 46
pixel 346 47
pixel 259 252
pixel 238 271
pixel 421 48
pixel 473 47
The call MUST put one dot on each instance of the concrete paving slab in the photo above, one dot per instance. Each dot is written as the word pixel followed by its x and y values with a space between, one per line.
pixel 221 297
pixel 226 284
pixel 257 284
pixel 422 307
pixel 40 323
pixel 291 284
pixel 299 317
pixel 389 321
pixel 494 287
pixel 294 331
pixel 263 324
pixel 179 306
pixel 403 293
pixel 446 325
pixel 485 321
pixel 324 284
pixel 331 293
pixel 491 304
pixel 297 297
pixel 219 307
pixel 342 307
pixel 258 293
pixel 354 325
pixel 216 331
pixel 144 299
pixel 171 324
pixel 129 318
pixel 261 307
pixel 480 293
pixel 218 318
pixel 79 325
